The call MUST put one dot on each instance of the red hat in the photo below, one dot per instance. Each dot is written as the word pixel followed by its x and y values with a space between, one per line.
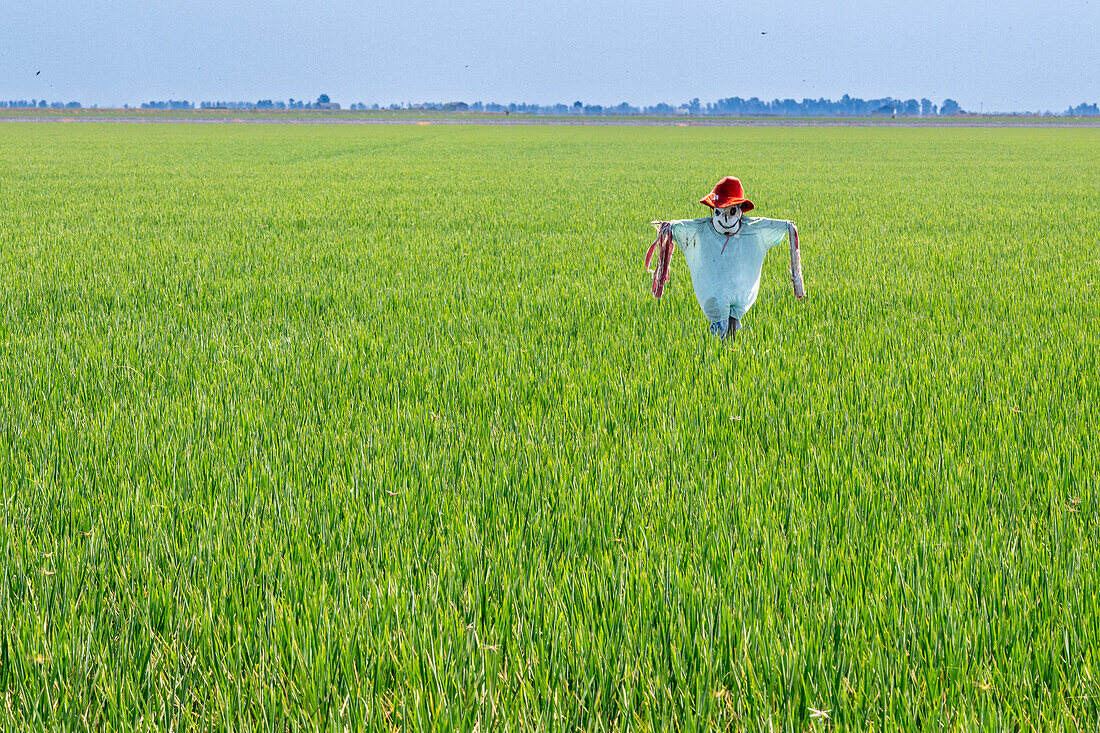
pixel 727 192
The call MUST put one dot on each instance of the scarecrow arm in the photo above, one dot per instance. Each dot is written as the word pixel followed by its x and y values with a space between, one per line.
pixel 796 262
pixel 662 247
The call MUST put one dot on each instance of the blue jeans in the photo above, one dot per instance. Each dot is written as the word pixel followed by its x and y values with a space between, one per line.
pixel 725 328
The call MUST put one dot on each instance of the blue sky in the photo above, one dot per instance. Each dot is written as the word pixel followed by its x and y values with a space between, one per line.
pixel 997 56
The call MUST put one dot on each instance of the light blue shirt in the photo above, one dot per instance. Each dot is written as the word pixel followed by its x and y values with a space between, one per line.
pixel 725 271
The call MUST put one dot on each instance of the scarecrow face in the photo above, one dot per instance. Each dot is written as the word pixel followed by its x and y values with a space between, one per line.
pixel 727 220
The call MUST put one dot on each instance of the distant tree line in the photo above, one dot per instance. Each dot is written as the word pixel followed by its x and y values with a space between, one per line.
pixel 846 106
pixel 170 104
pixel 39 103
pixel 322 102
pixel 1084 110
pixel 261 104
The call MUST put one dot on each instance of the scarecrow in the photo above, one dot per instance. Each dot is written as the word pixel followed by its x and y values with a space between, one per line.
pixel 725 254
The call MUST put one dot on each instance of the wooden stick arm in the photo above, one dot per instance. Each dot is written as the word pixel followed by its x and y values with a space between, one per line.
pixel 796 262
pixel 661 248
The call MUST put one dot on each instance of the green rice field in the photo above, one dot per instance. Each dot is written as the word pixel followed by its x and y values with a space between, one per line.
pixel 342 427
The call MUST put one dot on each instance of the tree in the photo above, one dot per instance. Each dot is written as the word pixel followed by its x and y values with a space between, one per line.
pixel 950 107
pixel 925 107
pixel 323 99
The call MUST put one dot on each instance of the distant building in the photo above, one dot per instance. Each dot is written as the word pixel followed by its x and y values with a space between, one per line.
pixel 326 105
pixel 456 107
pixel 884 111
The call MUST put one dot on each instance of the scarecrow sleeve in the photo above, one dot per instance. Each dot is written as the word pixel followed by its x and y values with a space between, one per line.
pixel 658 259
pixel 685 232
pixel 773 231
